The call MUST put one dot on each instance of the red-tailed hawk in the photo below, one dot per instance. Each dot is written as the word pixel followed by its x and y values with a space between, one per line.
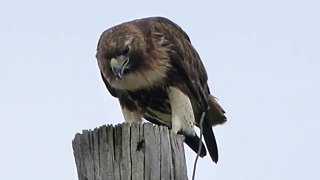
pixel 151 66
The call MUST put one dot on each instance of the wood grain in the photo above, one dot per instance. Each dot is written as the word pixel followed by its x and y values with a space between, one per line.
pixel 129 152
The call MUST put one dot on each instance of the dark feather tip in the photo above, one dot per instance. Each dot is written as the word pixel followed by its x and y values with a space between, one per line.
pixel 210 140
pixel 193 142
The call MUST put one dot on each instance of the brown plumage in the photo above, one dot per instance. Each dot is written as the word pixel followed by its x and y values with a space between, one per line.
pixel 151 66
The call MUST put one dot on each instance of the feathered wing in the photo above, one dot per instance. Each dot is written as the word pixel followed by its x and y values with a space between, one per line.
pixel 187 61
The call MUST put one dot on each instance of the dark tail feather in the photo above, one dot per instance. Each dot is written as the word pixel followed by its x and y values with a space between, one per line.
pixel 193 142
pixel 210 140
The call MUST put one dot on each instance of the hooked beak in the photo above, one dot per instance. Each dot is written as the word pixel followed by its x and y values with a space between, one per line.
pixel 118 65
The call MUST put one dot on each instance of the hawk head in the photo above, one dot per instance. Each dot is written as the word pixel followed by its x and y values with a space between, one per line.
pixel 121 49
pixel 129 58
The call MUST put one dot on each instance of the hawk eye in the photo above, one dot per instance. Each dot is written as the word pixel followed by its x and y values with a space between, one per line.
pixel 126 50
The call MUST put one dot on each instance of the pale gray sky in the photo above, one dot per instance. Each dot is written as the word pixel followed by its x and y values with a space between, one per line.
pixel 262 59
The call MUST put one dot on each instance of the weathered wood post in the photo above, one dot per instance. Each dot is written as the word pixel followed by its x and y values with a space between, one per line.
pixel 124 152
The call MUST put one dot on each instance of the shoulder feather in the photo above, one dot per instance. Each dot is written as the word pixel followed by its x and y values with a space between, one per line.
pixel 185 58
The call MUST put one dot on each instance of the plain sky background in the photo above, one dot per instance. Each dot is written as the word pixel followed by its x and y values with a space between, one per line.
pixel 262 59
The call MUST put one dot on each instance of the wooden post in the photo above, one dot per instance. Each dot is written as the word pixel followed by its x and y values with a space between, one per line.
pixel 124 152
